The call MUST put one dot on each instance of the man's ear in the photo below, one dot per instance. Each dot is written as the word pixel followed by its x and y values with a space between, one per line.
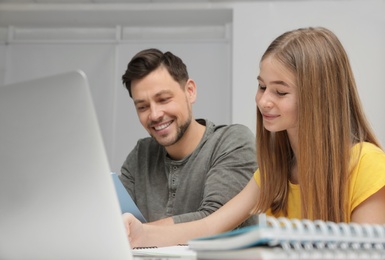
pixel 191 90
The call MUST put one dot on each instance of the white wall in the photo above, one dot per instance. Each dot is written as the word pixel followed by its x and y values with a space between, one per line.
pixel 2 62
pixel 225 68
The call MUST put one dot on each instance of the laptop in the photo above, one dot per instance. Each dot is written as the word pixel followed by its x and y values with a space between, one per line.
pixel 57 197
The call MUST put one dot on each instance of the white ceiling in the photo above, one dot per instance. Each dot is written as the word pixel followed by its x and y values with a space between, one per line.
pixel 119 1
pixel 110 13
pixel 99 13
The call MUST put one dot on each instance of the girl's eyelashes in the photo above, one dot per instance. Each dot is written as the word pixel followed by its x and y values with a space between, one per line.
pixel 281 93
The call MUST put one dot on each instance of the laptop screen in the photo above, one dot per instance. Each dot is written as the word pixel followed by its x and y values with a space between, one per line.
pixel 57 198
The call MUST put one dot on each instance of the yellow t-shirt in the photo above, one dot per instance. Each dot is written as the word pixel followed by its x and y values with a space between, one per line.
pixel 367 178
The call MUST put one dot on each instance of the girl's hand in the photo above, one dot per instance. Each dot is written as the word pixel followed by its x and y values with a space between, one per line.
pixel 135 230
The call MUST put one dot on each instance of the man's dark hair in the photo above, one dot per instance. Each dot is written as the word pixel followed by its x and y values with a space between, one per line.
pixel 146 61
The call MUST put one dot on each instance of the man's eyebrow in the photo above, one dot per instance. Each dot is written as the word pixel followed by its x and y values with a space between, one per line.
pixel 162 92
pixel 137 101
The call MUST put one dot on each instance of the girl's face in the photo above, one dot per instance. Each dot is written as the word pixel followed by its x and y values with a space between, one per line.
pixel 277 97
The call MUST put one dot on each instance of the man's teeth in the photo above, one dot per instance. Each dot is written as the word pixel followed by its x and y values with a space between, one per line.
pixel 160 127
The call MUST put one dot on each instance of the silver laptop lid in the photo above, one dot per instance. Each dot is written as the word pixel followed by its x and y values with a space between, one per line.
pixel 57 198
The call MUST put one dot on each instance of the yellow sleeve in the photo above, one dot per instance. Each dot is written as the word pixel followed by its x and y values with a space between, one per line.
pixel 368 176
pixel 257 177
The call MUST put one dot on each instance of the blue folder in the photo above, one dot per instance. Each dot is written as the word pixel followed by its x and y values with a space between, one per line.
pixel 125 200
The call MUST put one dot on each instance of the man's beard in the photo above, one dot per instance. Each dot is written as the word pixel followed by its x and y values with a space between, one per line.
pixel 181 130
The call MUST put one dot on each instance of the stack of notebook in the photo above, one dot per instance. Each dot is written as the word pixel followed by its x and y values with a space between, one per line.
pixel 284 238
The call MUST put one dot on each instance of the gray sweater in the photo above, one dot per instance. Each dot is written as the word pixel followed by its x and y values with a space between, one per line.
pixel 194 187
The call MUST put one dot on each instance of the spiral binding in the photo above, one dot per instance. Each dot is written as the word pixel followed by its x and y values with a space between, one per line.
pixel 307 239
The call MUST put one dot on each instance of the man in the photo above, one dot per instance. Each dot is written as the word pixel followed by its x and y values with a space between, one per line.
pixel 188 168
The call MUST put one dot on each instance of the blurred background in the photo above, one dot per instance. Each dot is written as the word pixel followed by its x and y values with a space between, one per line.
pixel 221 43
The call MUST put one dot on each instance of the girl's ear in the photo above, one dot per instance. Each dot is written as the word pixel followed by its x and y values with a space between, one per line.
pixel 191 90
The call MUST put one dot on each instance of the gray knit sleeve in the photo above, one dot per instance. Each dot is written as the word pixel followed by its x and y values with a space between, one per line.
pixel 232 162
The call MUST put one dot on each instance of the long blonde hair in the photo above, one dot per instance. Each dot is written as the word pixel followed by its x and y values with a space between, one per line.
pixel 330 121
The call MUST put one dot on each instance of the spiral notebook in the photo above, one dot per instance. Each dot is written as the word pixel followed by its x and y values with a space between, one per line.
pixel 282 238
